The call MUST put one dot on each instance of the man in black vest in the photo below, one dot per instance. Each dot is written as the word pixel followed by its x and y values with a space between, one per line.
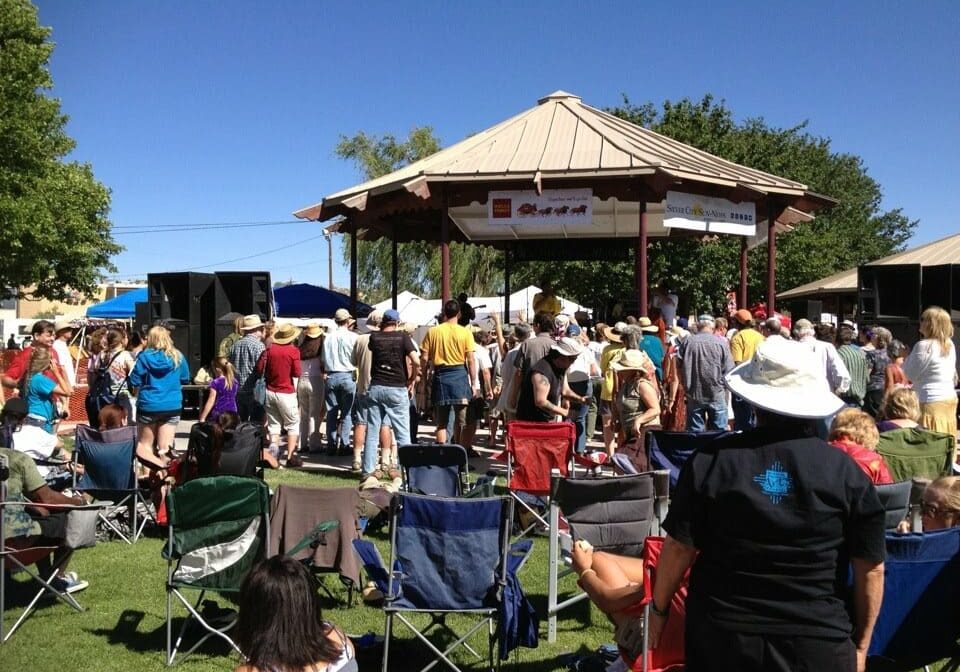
pixel 545 385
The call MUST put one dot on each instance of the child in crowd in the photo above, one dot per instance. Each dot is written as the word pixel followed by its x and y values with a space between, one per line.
pixel 894 376
pixel 40 391
pixel 223 391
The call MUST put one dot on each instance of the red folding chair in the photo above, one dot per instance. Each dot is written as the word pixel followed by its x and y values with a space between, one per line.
pixel 669 654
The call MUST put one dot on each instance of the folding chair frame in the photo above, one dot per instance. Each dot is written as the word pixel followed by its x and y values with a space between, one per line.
pixel 438 616
pixel 416 455
pixel 131 501
pixel 194 614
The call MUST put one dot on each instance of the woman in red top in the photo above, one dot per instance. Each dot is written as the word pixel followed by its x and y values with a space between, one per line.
pixel 855 433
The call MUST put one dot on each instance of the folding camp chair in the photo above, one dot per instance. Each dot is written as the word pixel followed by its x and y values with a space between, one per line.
pixel 919 621
pixel 295 514
pixel 669 654
pixel 450 556
pixel 671 450
pixel 218 529
pixel 109 460
pixel 434 469
pixel 895 498
pixel 913 452
pixel 240 455
pixel 613 514
pixel 19 554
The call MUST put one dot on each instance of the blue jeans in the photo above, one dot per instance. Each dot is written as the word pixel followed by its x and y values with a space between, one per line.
pixel 339 395
pixel 393 404
pixel 743 417
pixel 704 415
pixel 585 389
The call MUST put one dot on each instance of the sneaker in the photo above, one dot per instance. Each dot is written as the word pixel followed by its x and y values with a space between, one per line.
pixel 69 583
pixel 356 468
pixel 295 461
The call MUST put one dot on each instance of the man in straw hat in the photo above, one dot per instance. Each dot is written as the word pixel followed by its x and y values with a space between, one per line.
pixel 615 346
pixel 341 389
pixel 244 356
pixel 280 367
pixel 773 517
pixel 63 333
pixel 545 386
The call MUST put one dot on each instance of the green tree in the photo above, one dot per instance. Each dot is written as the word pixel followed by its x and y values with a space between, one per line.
pixel 474 269
pixel 53 213
pixel 852 233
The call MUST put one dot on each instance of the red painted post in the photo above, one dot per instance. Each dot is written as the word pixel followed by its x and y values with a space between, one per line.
pixel 445 253
pixel 742 294
pixel 641 266
pixel 771 258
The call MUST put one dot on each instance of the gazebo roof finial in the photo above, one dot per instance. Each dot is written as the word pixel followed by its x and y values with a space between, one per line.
pixel 559 94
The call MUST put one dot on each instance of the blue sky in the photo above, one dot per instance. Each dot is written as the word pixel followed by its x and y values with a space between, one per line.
pixel 209 111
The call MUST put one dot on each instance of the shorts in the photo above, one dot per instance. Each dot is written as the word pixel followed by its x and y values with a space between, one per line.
pixel 442 415
pixel 283 412
pixel 476 409
pixel 161 418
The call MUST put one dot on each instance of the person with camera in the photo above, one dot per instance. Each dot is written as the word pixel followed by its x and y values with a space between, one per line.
pixel 42 383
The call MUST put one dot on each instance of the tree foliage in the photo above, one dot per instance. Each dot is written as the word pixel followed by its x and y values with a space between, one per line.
pixel 54 229
pixel 474 269
pixel 852 233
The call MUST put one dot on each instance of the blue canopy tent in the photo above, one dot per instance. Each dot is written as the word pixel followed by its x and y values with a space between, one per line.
pixel 121 307
pixel 303 300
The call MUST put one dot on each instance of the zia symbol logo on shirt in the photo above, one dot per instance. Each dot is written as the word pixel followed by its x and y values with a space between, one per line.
pixel 775 482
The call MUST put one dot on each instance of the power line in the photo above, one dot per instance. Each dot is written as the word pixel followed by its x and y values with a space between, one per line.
pixel 152 228
pixel 253 256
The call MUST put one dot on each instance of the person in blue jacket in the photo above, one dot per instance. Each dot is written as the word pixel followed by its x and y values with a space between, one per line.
pixel 157 376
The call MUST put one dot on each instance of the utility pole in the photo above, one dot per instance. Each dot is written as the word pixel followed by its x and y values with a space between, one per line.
pixel 329 237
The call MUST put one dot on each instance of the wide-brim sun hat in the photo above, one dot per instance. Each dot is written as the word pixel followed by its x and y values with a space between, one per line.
pixel 313 330
pixel 633 360
pixel 648 326
pixel 612 334
pixel 251 322
pixel 786 378
pixel 568 347
pixel 62 325
pixel 285 333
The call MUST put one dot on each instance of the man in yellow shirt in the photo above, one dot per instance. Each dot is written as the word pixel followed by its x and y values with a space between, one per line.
pixel 448 349
pixel 742 346
pixel 545 301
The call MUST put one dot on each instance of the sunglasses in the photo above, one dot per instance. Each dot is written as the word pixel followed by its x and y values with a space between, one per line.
pixel 935 511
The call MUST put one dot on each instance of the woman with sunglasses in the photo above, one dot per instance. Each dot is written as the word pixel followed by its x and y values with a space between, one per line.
pixel 940 504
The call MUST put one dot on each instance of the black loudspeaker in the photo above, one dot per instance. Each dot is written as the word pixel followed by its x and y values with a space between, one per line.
pixel 805 309
pixel 142 319
pixel 889 291
pixel 941 287
pixel 188 302
pixel 243 293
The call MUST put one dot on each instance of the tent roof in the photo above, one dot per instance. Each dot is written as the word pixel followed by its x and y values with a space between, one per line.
pixel 122 307
pixel 943 251
pixel 559 143
pixel 303 300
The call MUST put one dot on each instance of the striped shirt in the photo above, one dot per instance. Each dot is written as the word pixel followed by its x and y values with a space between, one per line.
pixel 856 364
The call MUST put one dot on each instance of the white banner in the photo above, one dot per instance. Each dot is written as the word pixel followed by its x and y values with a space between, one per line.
pixel 710 215
pixel 553 206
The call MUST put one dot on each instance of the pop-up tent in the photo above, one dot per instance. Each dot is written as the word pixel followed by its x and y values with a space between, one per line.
pixel 123 307
pixel 303 300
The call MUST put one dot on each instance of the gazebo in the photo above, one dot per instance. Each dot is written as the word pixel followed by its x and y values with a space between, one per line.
pixel 566 181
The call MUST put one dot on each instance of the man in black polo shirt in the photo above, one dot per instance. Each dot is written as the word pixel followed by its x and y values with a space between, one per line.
pixel 773 518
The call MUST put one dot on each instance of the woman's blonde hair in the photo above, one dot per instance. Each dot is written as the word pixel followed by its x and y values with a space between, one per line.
pixel 949 487
pixel 855 425
pixel 935 324
pixel 901 403
pixel 158 338
pixel 223 366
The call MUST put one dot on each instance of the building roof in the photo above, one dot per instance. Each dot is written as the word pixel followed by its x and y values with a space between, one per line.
pixel 561 138
pixel 943 251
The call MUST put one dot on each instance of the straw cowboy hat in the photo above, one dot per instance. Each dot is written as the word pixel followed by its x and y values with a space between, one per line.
pixel 62 325
pixel 612 334
pixel 785 377
pixel 312 330
pixel 251 322
pixel 646 325
pixel 633 360
pixel 285 333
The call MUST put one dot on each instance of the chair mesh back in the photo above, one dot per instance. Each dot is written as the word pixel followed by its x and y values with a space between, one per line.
pixel 450 552
pixel 671 450
pixel 912 452
pixel 239 456
pixel 218 525
pixel 919 619
pixel 895 498
pixel 613 514
pixel 433 469
pixel 107 458
pixel 537 449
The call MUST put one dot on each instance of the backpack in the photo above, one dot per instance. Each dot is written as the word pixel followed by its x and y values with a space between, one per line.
pixel 101 392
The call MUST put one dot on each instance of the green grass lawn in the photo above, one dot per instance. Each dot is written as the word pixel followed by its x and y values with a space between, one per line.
pixel 123 628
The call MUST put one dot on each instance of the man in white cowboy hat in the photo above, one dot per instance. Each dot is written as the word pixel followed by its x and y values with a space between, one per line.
pixel 244 355
pixel 545 386
pixel 280 367
pixel 773 517
pixel 63 333
pixel 704 361
pixel 341 389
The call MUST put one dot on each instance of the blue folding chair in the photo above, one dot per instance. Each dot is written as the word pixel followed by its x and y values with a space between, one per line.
pixel 671 450
pixel 110 474
pixel 919 620
pixel 434 469
pixel 449 556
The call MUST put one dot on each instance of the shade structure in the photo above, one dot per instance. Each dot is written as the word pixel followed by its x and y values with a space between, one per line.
pixel 123 307
pixel 304 300
pixel 560 144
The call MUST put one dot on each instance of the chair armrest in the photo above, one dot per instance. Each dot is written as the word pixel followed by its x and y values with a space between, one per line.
pixel 518 554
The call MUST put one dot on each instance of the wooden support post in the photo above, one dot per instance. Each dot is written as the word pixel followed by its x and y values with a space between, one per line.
pixel 445 294
pixel 394 271
pixel 771 257
pixel 641 257
pixel 353 272
pixel 742 294
pixel 506 286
